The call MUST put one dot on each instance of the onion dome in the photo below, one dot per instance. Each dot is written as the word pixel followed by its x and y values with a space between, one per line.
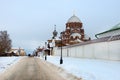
pixel 55 32
pixel 74 19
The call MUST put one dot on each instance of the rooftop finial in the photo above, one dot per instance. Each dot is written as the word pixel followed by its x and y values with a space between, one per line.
pixel 73 12
pixel 54 27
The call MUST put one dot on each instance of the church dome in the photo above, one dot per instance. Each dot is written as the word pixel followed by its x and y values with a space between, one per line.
pixel 74 19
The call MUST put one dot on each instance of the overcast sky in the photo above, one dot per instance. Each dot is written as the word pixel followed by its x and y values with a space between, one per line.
pixel 30 22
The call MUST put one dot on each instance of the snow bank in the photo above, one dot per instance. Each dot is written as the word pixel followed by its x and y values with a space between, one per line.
pixel 6 62
pixel 89 69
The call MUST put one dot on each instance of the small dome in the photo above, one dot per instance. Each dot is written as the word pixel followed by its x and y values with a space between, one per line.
pixel 86 37
pixel 74 19
pixel 75 34
pixel 55 33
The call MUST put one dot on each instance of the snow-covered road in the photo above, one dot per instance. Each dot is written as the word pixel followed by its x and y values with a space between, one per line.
pixel 6 62
pixel 89 69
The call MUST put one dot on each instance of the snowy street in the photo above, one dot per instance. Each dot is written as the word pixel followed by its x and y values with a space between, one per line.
pixel 89 69
pixel 32 68
pixel 6 62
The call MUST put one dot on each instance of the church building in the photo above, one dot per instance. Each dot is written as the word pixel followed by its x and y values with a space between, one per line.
pixel 74 32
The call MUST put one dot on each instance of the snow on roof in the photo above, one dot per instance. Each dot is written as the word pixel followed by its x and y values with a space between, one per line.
pixel 116 27
pixel 74 19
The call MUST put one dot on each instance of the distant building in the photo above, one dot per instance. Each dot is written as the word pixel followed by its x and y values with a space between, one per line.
pixel 74 32
pixel 114 31
pixel 18 52
pixel 39 51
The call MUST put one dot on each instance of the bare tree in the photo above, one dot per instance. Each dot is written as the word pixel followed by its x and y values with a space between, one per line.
pixel 5 42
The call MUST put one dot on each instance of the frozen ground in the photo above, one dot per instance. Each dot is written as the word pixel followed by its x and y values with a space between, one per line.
pixel 89 69
pixel 6 62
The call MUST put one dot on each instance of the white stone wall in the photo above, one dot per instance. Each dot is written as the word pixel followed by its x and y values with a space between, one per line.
pixel 103 50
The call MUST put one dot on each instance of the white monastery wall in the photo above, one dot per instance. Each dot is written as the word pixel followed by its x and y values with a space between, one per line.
pixel 88 51
pixel 114 50
pixel 103 50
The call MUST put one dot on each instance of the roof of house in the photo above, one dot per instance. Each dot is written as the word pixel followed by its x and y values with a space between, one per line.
pixel 116 27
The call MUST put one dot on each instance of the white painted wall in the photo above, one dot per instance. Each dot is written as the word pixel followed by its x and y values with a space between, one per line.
pixel 103 50
pixel 88 51
pixel 114 50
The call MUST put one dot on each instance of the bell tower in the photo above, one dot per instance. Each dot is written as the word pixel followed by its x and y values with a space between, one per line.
pixel 54 32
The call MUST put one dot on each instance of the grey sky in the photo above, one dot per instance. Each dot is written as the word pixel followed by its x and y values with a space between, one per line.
pixel 31 21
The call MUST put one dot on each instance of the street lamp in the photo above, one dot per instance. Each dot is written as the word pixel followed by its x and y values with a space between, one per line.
pixel 19 51
pixel 61 60
pixel 45 50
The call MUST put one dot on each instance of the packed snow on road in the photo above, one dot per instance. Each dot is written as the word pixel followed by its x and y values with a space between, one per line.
pixel 6 62
pixel 89 69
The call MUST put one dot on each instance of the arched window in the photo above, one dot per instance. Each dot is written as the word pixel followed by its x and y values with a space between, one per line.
pixel 71 37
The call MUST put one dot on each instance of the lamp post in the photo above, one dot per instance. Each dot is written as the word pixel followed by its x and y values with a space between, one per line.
pixel 45 50
pixel 61 60
pixel 19 51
